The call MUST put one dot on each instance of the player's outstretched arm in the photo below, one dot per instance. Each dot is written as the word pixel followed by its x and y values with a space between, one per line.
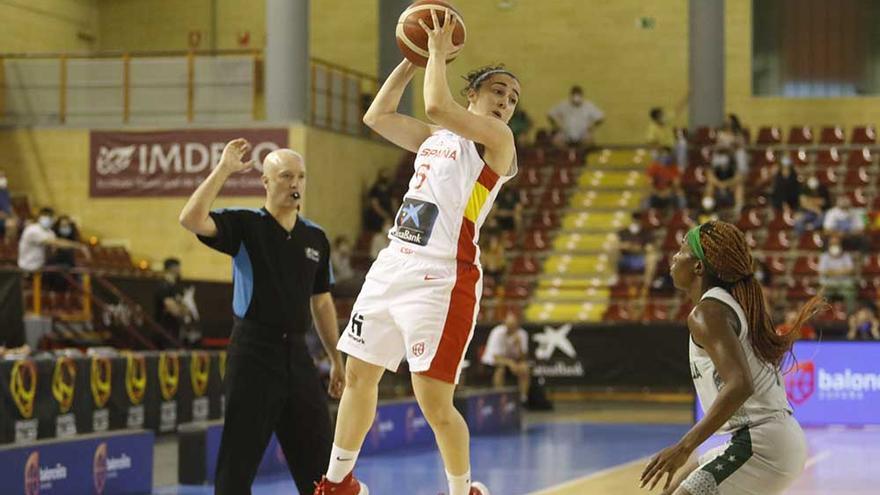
pixel 382 116
pixel 443 110
pixel 195 214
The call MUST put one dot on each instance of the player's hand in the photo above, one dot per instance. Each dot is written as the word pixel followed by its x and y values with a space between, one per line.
pixel 440 36
pixel 233 158
pixel 666 462
pixel 337 380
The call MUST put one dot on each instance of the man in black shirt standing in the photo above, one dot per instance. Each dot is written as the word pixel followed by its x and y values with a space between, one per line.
pixel 281 277
pixel 170 311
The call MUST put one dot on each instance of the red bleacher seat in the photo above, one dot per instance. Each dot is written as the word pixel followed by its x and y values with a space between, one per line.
pixel 806 265
pixel 680 219
pixel 798 290
pixel 763 157
pixel 528 197
pixel 769 135
pixel 778 241
pixel 700 157
pixel 811 241
pixel 858 197
pixel 554 197
pixel 871 265
pixel 828 177
pixel 524 265
pixel 751 240
pixel 705 135
pixel 799 157
pixel 618 312
pixel 776 265
pixel 860 158
pixel 782 220
pixel 530 177
pixel 751 219
pixel 869 288
pixel 673 239
pixel 545 220
pixel 800 134
pixel 652 219
pixel 537 240
pixel 832 135
pixel 830 157
pixel 863 134
pixel 858 177
pixel 627 287
pixel 657 310
pixel 517 289
pixel 684 310
pixel 562 177
pixel 510 239
pixel 694 178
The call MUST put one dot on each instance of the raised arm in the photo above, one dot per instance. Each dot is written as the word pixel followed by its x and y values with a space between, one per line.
pixel 382 116
pixel 442 108
pixel 195 214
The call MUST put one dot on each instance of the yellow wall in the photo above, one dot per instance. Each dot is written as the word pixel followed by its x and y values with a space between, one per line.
pixel 344 33
pixel 552 45
pixel 51 166
pixel 48 25
pixel 758 111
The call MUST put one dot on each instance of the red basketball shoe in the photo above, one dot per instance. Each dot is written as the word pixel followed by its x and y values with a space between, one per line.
pixel 348 486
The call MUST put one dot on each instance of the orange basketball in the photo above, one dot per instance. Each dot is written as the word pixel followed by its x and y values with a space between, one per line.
pixel 413 40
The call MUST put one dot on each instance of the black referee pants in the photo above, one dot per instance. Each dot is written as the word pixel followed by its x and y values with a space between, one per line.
pixel 271 386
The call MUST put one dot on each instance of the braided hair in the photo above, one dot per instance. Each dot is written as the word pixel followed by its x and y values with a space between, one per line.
pixel 729 265
pixel 477 77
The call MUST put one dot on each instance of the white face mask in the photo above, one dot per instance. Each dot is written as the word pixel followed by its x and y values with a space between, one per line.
pixel 4 182
pixel 835 250
pixel 45 222
pixel 635 228
pixel 813 183
pixel 708 203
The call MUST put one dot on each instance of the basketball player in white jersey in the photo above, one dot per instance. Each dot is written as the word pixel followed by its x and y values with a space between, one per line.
pixel 421 296
pixel 735 359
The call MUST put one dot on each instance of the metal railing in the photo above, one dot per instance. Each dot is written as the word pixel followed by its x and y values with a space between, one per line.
pixel 166 88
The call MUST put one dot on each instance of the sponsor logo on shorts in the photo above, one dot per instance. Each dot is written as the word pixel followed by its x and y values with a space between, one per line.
pixel 418 349
pixel 356 327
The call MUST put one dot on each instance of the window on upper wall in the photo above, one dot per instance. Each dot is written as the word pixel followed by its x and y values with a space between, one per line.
pixel 815 48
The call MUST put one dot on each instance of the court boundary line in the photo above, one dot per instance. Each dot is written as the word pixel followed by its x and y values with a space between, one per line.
pixel 602 472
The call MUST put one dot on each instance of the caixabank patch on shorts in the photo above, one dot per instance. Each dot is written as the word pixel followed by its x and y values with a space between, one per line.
pixel 415 221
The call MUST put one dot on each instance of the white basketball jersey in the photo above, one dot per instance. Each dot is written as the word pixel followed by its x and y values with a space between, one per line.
pixel 449 197
pixel 769 399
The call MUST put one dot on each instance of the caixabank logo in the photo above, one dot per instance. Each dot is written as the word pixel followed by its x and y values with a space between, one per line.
pixel 100 381
pixel 135 377
pixel 23 386
pixel 169 374
pixel 64 383
pixel 199 372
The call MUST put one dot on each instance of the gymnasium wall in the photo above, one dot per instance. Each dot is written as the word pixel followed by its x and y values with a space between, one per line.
pixel 764 110
pixel 50 164
pixel 165 25
pixel 48 25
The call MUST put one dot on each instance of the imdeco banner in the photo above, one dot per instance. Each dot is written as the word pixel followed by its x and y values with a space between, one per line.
pixel 173 162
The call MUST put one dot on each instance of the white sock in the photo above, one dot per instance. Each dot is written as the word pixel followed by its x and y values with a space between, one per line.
pixel 459 485
pixel 341 463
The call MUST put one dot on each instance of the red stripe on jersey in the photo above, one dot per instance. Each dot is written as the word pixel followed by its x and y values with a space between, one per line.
pixel 459 326
pixel 488 178
pixel 467 250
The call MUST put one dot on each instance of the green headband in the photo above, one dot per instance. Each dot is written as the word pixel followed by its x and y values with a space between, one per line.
pixel 693 240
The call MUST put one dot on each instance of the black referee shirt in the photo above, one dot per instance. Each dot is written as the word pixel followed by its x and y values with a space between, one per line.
pixel 275 272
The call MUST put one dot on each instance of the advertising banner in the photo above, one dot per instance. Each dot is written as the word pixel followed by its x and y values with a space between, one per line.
pixel 173 162
pixel 833 383
pixel 120 463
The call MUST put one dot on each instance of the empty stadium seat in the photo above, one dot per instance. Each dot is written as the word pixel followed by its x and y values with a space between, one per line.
pixel 811 241
pixel 829 157
pixel 778 241
pixel 553 198
pixel 858 197
pixel 694 178
pixel 769 135
pixel 529 177
pixel 860 158
pixel 776 265
pixel 750 219
pixel 562 177
pixel 864 134
pixel 871 265
pixel 800 135
pixel 528 197
pixel 828 177
pixel 546 220
pixel 524 265
pixel 858 177
pixel 799 157
pixel 806 265
pixel 537 240
pixel 705 135
pixel 782 220
pixel 517 289
pixel 832 135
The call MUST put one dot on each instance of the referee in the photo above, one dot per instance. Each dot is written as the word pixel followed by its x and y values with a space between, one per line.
pixel 281 271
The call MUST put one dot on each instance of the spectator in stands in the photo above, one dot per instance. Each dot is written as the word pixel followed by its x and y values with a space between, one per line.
pixel 808 332
pixel 731 137
pixel 637 253
pixel 864 324
pixel 520 124
pixel 172 312
pixel 380 206
pixel 61 258
pixel 665 181
pixel 494 257
pixel 574 120
pixel 662 133
pixel 508 210
pixel 380 239
pixel 507 350
pixel 725 181
pixel 813 201
pixel 847 222
pixel 8 221
pixel 340 258
pixel 837 274
pixel 38 236
pixel 785 195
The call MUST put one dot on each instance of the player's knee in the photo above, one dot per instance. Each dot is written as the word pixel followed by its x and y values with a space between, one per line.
pixel 439 415
pixel 358 377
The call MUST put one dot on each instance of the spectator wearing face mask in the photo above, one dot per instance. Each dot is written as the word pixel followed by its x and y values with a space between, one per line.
pixel 8 221
pixel 574 120
pixel 665 181
pixel 637 252
pixel 837 274
pixel 37 237
pixel 724 179
pixel 61 258
pixel 864 324
pixel 661 131
pixel 706 212
pixel 813 201
pixel 786 192
pixel 847 222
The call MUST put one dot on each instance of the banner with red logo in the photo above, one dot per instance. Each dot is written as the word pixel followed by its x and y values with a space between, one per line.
pixel 173 163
